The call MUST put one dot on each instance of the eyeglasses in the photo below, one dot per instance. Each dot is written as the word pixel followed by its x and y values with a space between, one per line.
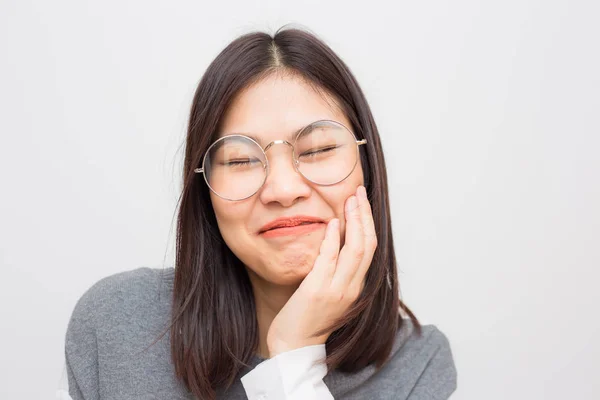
pixel 235 166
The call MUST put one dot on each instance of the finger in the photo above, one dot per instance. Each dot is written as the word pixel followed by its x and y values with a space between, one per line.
pixel 366 213
pixel 325 264
pixel 353 250
pixel 370 239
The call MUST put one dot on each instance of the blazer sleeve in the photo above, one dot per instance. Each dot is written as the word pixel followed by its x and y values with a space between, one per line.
pixel 81 351
pixel 292 375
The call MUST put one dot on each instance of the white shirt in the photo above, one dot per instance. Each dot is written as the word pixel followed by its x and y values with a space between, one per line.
pixel 287 376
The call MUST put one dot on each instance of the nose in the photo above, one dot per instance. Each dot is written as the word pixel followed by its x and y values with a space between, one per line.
pixel 284 184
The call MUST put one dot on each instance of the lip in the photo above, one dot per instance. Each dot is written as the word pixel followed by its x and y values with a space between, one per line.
pixel 292 230
pixel 290 222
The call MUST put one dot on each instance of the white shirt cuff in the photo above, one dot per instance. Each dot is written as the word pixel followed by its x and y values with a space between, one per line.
pixel 294 374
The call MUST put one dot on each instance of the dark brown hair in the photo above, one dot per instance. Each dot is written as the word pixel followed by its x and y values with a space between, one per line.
pixel 214 330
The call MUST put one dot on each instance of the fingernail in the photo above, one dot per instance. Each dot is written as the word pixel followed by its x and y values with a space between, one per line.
pixel 351 204
pixel 362 192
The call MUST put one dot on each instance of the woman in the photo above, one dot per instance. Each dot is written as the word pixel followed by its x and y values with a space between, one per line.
pixel 285 284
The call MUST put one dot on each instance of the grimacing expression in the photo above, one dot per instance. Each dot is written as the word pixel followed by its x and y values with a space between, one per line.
pixel 272 109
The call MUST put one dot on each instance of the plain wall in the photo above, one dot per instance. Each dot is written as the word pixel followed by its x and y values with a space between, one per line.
pixel 488 112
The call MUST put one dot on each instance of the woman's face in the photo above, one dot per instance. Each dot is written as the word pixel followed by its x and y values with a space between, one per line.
pixel 273 109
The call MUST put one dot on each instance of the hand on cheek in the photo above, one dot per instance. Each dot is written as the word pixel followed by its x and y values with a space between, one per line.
pixel 334 283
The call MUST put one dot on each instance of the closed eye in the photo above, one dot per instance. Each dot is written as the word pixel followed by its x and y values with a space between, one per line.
pixel 240 162
pixel 318 151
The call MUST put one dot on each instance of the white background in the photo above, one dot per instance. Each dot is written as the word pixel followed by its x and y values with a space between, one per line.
pixel 488 112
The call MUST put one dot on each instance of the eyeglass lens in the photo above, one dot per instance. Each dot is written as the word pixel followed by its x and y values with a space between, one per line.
pixel 325 153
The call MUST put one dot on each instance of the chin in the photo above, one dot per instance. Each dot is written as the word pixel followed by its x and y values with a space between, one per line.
pixel 290 269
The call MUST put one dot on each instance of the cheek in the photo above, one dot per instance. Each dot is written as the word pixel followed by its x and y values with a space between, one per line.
pixel 231 219
pixel 336 196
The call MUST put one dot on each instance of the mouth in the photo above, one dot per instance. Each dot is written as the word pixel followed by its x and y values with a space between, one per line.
pixel 291 225
pixel 295 230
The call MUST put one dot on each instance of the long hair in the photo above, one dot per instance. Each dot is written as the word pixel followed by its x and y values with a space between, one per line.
pixel 214 330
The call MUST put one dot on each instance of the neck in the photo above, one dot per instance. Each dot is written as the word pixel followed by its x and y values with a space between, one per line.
pixel 269 299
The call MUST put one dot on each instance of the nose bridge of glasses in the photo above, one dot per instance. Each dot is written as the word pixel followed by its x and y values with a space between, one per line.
pixel 280 141
pixel 274 142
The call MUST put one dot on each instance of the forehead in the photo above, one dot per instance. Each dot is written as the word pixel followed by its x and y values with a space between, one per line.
pixel 277 107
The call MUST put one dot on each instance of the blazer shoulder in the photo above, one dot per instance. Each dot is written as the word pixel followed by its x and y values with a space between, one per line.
pixel 429 344
pixel 428 360
pixel 430 336
pixel 120 291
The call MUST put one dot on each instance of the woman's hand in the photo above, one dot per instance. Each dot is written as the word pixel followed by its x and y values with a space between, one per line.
pixel 334 283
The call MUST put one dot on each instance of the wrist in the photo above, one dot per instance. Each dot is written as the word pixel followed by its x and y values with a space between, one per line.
pixel 276 347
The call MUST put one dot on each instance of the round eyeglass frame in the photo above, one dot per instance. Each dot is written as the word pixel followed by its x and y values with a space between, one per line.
pixel 294 157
